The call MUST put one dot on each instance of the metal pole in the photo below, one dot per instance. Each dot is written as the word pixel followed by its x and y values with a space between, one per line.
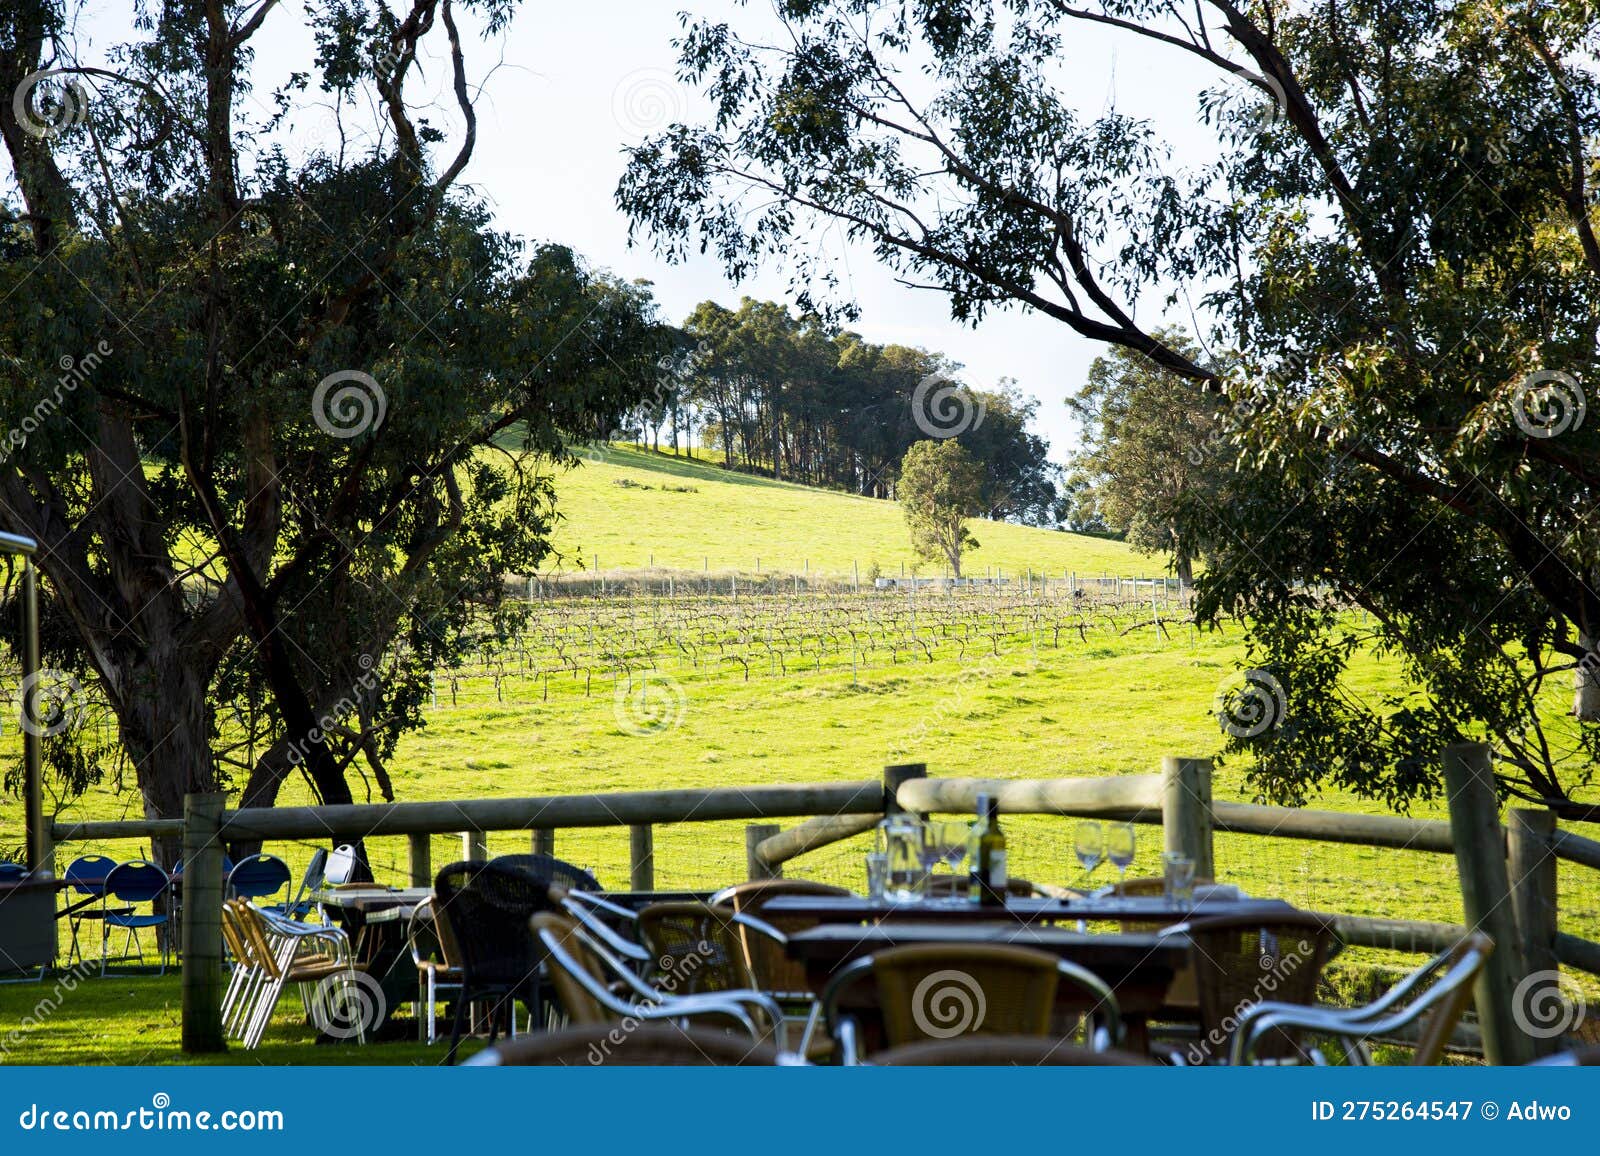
pixel 38 852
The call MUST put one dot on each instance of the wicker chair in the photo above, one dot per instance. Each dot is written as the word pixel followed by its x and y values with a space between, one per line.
pixel 938 991
pixel 550 871
pixel 764 956
pixel 695 948
pixel 1004 1051
pixel 1237 959
pixel 648 1045
pixel 596 988
pixel 1445 983
pixel 434 952
pixel 485 908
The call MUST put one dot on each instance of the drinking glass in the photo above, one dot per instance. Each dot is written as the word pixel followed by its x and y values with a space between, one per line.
pixel 877 874
pixel 1119 847
pixel 1090 845
pixel 944 842
pixel 1177 874
pixel 906 880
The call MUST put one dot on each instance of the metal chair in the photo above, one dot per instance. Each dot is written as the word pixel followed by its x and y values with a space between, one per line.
pixel 487 907
pixel 940 991
pixel 258 877
pixel 1239 959
pixel 647 1045
pixel 1447 978
pixel 316 871
pixel 615 926
pixel 438 973
pixel 595 988
pixel 282 952
pixel 695 948
pixel 1005 1051
pixel 764 947
pixel 133 883
pixel 86 876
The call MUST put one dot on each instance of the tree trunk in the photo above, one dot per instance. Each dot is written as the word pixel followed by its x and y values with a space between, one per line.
pixel 164 725
pixel 1586 682
pixel 1184 566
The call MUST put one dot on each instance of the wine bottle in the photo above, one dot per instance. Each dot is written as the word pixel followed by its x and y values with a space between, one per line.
pixel 989 860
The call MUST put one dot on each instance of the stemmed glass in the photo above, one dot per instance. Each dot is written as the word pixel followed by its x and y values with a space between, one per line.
pixel 1119 847
pixel 1089 845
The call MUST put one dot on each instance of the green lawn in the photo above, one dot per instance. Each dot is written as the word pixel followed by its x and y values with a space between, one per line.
pixel 135 1020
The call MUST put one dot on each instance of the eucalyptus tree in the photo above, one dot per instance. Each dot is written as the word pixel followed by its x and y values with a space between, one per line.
pixel 1393 239
pixel 275 394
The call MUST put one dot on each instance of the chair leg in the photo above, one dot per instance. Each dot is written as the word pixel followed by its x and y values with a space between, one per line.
pixel 455 1026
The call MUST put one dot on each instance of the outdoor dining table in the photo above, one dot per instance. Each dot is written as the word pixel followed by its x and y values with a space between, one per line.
pixel 1025 912
pixel 375 919
pixel 1139 967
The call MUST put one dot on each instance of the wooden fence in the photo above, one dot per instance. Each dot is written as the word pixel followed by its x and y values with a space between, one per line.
pixel 1507 872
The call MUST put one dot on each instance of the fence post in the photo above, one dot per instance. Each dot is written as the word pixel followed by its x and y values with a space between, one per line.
pixel 202 924
pixel 893 776
pixel 1531 862
pixel 421 856
pixel 755 866
pixel 1186 811
pixel 544 841
pixel 474 846
pixel 1486 897
pixel 642 857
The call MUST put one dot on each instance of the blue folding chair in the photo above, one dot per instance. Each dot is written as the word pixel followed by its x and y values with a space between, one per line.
pixel 140 881
pixel 12 872
pixel 259 876
pixel 86 875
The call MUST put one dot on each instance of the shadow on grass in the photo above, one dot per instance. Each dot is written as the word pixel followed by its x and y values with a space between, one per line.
pixel 136 1020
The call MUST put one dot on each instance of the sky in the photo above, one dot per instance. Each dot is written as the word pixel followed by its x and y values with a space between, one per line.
pixel 569 85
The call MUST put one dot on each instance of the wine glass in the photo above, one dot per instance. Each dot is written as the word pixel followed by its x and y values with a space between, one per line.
pixel 1119 847
pixel 1090 845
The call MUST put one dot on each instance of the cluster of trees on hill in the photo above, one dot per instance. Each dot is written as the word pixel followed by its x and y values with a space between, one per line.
pixel 797 398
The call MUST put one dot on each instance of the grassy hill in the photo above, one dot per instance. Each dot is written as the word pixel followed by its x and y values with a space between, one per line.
pixel 635 508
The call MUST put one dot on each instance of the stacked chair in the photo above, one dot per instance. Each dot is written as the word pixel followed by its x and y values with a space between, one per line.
pixel 269 953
